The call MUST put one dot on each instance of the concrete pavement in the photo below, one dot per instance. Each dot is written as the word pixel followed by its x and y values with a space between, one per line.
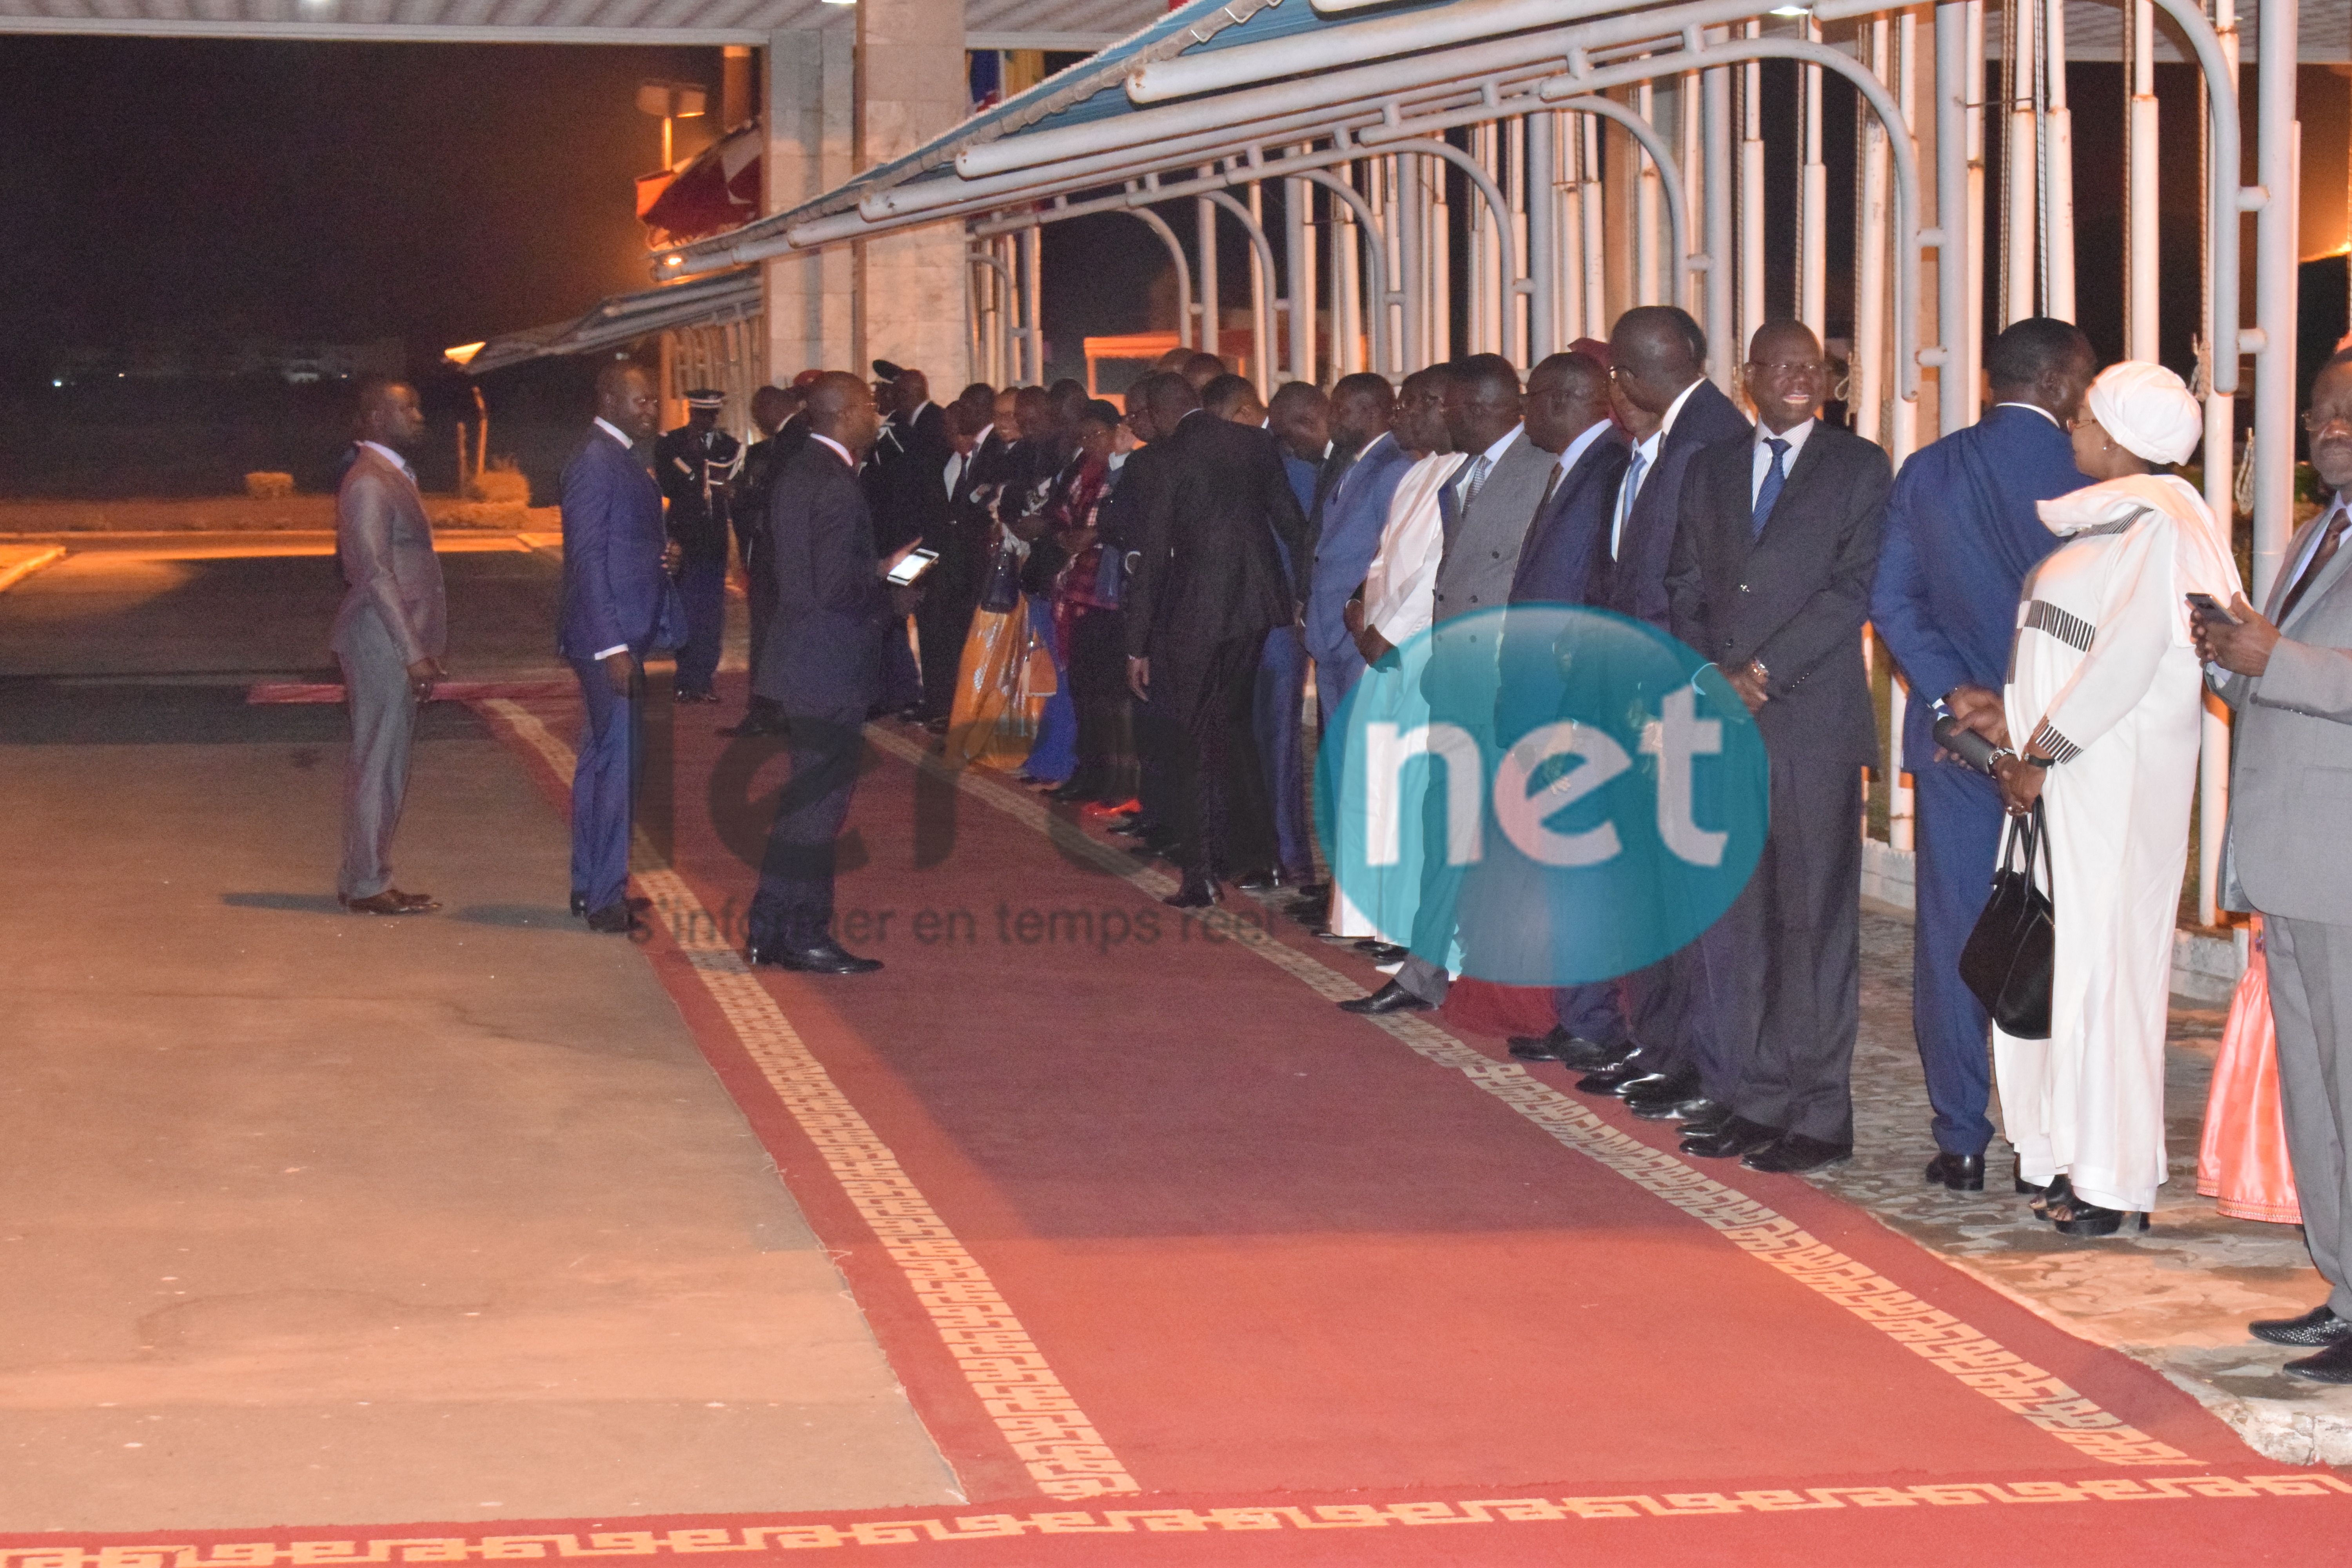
pixel 316 1217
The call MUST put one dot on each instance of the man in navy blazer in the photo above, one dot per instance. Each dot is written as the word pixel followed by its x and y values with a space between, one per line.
pixel 1657 359
pixel 1961 533
pixel 618 601
pixel 1567 416
pixel 822 667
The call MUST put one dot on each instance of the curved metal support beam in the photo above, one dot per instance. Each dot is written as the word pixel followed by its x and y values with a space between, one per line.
pixel 1260 308
pixel 1506 253
pixel 1184 272
pixel 1662 158
pixel 1375 248
pixel 1700 53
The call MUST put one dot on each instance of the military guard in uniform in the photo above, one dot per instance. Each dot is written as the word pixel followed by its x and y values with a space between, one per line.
pixel 697 464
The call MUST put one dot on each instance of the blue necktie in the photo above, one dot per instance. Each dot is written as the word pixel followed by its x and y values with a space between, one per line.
pixel 1625 502
pixel 1770 490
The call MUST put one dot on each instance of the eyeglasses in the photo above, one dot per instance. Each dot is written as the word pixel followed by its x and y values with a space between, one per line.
pixel 2318 420
pixel 1789 367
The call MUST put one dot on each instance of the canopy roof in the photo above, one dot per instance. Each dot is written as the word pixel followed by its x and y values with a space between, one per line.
pixel 710 298
pixel 988 24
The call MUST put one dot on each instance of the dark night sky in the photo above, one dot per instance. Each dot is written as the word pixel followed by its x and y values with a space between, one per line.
pixel 158 188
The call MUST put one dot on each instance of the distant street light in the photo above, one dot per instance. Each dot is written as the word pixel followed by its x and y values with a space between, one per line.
pixel 669 102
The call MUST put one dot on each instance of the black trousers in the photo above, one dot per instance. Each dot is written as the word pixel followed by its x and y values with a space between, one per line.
pixel 1099 692
pixel 793 907
pixel 1786 958
pixel 943 623
pixel 759 595
pixel 1225 821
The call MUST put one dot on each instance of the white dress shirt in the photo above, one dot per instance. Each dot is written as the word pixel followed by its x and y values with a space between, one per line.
pixel 1637 471
pixel 395 459
pixel 836 447
pixel 1794 435
pixel 1581 445
pixel 2036 408
pixel 1487 458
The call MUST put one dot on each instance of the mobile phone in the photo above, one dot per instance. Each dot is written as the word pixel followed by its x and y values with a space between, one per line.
pixel 2212 606
pixel 912 565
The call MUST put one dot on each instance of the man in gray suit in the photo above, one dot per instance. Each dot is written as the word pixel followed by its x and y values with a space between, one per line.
pixel 1486 511
pixel 2289 677
pixel 390 634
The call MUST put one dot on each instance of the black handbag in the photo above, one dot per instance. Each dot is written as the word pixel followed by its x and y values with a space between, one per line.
pixel 2008 956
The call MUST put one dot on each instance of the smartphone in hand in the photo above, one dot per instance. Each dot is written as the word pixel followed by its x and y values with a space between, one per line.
pixel 2206 603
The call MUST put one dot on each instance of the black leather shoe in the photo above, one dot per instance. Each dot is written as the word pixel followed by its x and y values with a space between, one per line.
pixel 1796 1152
pixel 1690 1109
pixel 1389 998
pixel 823 956
pixel 2080 1218
pixel 1736 1136
pixel 1709 1121
pixel 1200 891
pixel 1614 1075
pixel 2320 1325
pixel 580 904
pixel 615 919
pixel 1962 1172
pixel 1304 884
pixel 1078 789
pixel 705 695
pixel 1380 952
pixel 1267 882
pixel 754 723
pixel 1672 1088
pixel 1545 1047
pixel 2333 1365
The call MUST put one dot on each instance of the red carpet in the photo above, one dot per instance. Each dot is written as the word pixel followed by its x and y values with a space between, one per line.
pixel 1132 1206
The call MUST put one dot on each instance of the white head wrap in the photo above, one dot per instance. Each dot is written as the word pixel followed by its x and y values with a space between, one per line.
pixel 2148 411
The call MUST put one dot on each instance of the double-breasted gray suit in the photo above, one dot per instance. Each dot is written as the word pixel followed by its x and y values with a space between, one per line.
pixel 1784 966
pixel 1483 538
pixel 2287 854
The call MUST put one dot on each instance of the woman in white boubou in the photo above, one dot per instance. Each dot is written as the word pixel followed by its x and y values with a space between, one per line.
pixel 2104 684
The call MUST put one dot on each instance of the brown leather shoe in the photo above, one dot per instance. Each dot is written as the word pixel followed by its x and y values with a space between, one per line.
pixel 392 901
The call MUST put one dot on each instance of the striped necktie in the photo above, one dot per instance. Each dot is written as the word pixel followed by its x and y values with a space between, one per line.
pixel 1633 471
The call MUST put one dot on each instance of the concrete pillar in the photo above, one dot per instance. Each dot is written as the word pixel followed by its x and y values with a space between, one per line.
pixel 809 149
pixel 840 98
pixel 911 86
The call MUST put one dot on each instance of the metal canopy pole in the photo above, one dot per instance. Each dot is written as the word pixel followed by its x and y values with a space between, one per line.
pixel 2057 170
pixel 2142 253
pixel 1722 330
pixel 1645 212
pixel 1541 197
pixel 2274 290
pixel 1956 392
pixel 1751 193
pixel 1812 199
pixel 2020 159
pixel 1866 372
pixel 1213 330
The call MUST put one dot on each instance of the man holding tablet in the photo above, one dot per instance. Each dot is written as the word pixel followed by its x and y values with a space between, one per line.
pixel 820 665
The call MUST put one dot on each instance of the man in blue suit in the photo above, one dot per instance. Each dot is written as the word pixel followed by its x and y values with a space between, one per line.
pixel 822 667
pixel 1567 416
pixel 1960 534
pixel 1346 530
pixel 1657 359
pixel 618 601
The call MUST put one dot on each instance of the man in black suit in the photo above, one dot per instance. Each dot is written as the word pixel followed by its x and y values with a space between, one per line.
pixel 1208 586
pixel 907 492
pixel 962 537
pixel 1770 579
pixel 1657 362
pixel 1155 405
pixel 823 658
pixel 1567 416
pixel 774 411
